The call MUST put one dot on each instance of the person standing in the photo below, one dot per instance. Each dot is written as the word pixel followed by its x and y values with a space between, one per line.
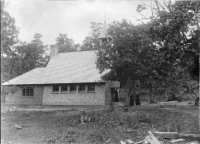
pixel 137 100
pixel 132 100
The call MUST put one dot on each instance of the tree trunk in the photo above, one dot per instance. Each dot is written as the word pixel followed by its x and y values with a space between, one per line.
pixel 150 93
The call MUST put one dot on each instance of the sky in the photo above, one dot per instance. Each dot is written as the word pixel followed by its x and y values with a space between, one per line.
pixel 71 17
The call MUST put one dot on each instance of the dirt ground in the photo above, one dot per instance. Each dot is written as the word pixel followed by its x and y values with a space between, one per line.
pixel 105 126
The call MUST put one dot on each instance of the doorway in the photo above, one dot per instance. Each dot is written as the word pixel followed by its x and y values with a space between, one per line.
pixel 114 95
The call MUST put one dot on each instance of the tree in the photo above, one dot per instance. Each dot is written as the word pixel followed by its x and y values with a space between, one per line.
pixel 126 56
pixel 158 53
pixel 64 43
pixel 91 42
pixel 9 32
pixel 32 55
pixel 174 29
pixel 37 39
pixel 9 38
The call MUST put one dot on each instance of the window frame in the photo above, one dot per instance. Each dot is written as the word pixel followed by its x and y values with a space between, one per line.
pixel 82 91
pixel 28 91
pixel 91 91
pixel 64 91
pixel 53 89
pixel 74 91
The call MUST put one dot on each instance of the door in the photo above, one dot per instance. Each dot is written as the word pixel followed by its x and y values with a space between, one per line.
pixel 114 95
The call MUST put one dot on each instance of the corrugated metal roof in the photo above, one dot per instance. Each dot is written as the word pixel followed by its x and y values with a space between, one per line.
pixel 71 67
pixel 32 77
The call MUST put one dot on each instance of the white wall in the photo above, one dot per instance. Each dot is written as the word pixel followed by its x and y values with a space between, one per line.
pixel 76 98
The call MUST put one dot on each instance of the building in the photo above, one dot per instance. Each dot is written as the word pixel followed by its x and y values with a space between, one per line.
pixel 68 79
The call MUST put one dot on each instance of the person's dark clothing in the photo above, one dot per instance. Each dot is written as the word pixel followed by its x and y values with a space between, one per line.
pixel 137 100
pixel 132 100
pixel 116 96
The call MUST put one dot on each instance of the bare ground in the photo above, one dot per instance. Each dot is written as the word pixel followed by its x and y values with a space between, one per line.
pixel 64 126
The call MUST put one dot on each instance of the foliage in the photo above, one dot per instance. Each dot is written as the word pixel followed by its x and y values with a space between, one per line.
pixel 17 57
pixel 158 54
pixel 91 42
pixel 9 37
pixel 128 55
pixel 6 90
pixel 64 43
pixel 9 32
pixel 174 29
pixel 170 30
pixel 32 55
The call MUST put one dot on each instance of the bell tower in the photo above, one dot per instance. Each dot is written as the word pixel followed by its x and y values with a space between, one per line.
pixel 104 37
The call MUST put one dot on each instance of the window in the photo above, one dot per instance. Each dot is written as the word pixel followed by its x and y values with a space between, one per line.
pixel 64 88
pixel 55 88
pixel 91 87
pixel 27 91
pixel 72 88
pixel 81 88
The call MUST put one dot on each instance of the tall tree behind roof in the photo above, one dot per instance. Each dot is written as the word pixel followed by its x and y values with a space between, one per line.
pixel 91 42
pixel 9 32
pixel 9 37
pixel 64 43
pixel 31 55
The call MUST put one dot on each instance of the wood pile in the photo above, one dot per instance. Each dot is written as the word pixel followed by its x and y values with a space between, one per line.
pixel 171 137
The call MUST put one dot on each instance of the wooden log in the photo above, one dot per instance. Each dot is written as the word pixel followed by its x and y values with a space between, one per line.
pixel 193 142
pixel 171 135
pixel 176 135
pixel 190 136
pixel 168 103
pixel 178 141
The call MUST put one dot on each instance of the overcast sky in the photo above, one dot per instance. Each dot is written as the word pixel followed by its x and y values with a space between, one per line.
pixel 73 18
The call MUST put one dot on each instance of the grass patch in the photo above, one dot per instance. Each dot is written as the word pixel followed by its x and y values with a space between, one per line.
pixel 66 127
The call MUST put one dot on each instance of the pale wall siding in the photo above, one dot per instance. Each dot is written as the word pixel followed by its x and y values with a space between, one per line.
pixel 108 98
pixel 109 85
pixel 16 97
pixel 97 98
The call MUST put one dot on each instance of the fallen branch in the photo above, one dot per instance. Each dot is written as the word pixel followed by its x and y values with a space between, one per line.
pixel 108 140
pixel 176 135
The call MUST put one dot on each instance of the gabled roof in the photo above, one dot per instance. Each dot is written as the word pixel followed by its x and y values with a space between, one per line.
pixel 71 67
pixel 32 77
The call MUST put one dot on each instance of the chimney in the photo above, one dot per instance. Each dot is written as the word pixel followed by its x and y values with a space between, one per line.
pixel 53 50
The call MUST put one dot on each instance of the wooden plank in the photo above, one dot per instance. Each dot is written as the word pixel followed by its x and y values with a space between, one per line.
pixel 129 142
pixel 178 141
pixel 148 138
pixel 171 135
pixel 193 142
pixel 141 142
pixel 176 135
pixel 122 142
pixel 168 103
pixel 190 136
pixel 151 138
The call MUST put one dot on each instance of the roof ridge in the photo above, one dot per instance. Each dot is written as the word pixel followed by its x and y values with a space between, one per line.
pixel 78 51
